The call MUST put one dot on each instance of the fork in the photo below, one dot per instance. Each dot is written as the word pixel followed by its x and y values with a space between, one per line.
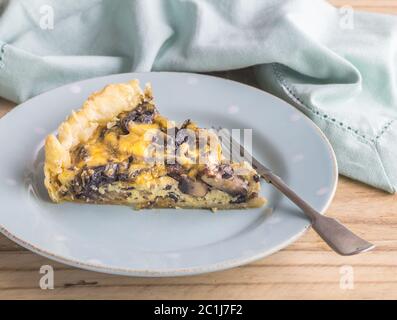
pixel 336 235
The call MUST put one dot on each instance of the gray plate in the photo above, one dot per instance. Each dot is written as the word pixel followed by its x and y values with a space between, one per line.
pixel 167 242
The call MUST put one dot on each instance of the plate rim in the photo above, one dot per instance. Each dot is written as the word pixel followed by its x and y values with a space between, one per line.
pixel 228 264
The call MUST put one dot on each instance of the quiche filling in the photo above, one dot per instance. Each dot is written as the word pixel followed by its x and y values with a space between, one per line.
pixel 118 149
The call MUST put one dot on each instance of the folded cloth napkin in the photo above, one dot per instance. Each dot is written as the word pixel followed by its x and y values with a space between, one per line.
pixel 335 65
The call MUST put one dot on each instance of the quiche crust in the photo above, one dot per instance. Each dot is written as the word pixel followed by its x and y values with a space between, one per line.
pixel 100 108
pixel 99 156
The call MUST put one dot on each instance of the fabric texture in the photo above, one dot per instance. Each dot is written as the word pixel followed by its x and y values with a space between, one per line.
pixel 336 66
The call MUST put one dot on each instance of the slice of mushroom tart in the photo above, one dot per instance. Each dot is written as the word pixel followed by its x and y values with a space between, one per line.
pixel 118 149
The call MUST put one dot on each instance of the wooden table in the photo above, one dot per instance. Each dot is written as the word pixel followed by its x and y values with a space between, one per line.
pixel 306 269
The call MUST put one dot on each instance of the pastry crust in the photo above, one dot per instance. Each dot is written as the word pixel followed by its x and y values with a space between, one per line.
pixel 101 107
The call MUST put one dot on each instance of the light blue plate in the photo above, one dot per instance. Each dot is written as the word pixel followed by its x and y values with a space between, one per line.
pixel 167 242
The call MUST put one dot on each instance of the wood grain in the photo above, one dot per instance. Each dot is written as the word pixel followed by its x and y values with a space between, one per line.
pixel 382 6
pixel 306 269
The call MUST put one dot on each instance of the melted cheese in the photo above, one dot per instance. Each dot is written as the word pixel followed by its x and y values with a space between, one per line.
pixel 110 146
pixel 137 141
pixel 98 155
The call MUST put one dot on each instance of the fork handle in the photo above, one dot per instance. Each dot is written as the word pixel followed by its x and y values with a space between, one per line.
pixel 337 236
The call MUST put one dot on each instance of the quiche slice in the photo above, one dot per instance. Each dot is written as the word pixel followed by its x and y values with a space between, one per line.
pixel 118 149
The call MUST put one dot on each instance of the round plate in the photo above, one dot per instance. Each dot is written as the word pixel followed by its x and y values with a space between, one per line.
pixel 164 242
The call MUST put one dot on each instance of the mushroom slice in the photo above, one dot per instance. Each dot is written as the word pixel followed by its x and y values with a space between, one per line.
pixel 224 179
pixel 193 187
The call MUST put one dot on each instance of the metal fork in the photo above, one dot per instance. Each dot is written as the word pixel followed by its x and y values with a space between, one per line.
pixel 337 236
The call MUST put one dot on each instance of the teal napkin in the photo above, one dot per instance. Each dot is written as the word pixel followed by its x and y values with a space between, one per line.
pixel 335 65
